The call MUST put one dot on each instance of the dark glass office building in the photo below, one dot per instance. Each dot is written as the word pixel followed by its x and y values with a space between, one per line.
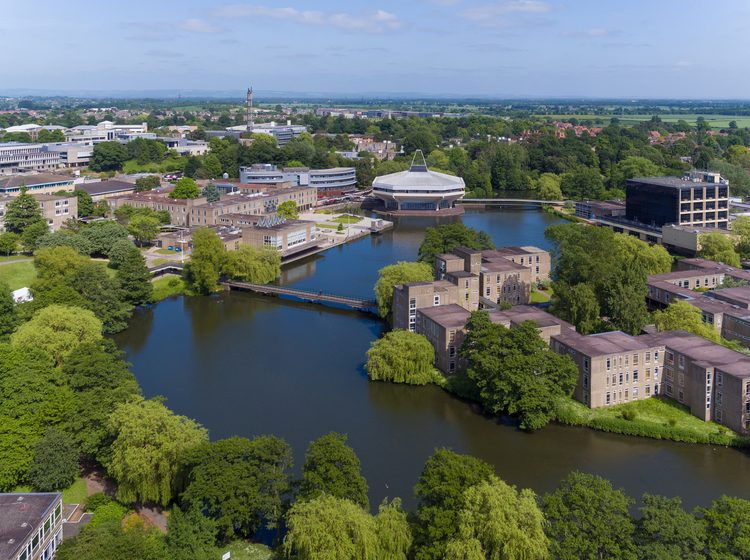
pixel 698 199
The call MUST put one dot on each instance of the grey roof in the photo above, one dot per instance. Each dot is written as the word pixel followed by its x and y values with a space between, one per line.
pixel 737 296
pixel 105 187
pixel 20 515
pixel 674 182
pixel 703 351
pixel 451 316
pixel 603 344
pixel 36 179
pixel 418 181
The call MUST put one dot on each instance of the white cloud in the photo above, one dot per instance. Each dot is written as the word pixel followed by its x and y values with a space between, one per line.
pixel 502 13
pixel 198 26
pixel 378 21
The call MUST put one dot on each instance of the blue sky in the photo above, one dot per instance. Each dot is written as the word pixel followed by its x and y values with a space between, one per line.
pixel 591 48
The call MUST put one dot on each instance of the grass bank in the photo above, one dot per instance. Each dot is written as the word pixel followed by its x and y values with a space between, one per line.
pixel 167 286
pixel 18 274
pixel 74 494
pixel 653 418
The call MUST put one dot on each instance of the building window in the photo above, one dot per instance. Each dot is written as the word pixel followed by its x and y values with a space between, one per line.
pixel 656 355
pixel 609 363
pixel 452 367
pixel 412 303
pixel 670 358
pixel 608 399
pixel 452 352
pixel 437 300
pixel 635 375
pixel 681 361
pixel 635 359
pixel 680 395
pixel 620 379
pixel 648 390
pixel 669 389
pixel 719 378
pixel 586 366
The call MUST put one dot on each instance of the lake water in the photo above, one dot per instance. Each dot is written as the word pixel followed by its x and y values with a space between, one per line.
pixel 243 364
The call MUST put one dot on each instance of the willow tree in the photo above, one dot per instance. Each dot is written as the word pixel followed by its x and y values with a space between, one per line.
pixel 402 357
pixel 330 528
pixel 497 522
pixel 149 442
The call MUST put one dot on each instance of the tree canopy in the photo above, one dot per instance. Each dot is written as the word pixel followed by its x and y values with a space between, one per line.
pixel 21 213
pixel 148 442
pixel 55 465
pixel 446 237
pixel 718 247
pixel 288 209
pixel 332 468
pixel 185 188
pixel 515 370
pixel 402 357
pixel 399 273
pixel 248 264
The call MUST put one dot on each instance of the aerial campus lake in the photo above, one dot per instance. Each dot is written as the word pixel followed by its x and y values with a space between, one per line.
pixel 243 364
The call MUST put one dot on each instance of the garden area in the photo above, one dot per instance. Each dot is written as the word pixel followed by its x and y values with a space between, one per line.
pixel 18 274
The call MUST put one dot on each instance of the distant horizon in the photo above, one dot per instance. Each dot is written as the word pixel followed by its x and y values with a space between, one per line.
pixel 239 96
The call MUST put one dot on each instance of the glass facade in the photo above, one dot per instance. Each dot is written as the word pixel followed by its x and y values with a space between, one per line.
pixel 652 204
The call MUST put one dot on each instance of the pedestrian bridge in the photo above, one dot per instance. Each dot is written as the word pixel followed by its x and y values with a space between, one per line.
pixel 322 298
pixel 511 202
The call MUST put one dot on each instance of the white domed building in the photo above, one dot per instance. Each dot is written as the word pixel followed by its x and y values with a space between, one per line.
pixel 419 191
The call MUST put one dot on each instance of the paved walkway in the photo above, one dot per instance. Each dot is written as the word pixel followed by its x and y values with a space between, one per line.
pixel 14 261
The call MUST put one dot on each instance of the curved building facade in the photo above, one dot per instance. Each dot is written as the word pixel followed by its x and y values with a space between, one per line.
pixel 419 191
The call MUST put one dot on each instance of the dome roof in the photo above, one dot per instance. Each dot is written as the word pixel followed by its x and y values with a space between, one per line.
pixel 418 177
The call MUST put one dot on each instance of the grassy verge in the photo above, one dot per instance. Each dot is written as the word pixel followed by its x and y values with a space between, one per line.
pixel 18 275
pixel 9 258
pixel 242 550
pixel 73 494
pixel 539 296
pixel 168 286
pixel 654 418
pixel 326 226
pixel 346 219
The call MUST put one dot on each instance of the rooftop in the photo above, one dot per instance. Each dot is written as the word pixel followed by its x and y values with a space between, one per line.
pixel 674 182
pixel 105 187
pixel 31 180
pixel 503 252
pixel 451 316
pixel 603 344
pixel 20 515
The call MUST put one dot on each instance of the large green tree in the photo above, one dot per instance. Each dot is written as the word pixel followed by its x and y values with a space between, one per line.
pixel 191 536
pixel 110 540
pixel 58 330
pixel 22 212
pixel 239 483
pixel 332 468
pixel 587 518
pixel 8 315
pixel 55 465
pixel 718 247
pixel 680 315
pixel 144 229
pixel 440 490
pixel 85 203
pixel 497 522
pixel 395 274
pixel 135 279
pixel 446 237
pixel 288 209
pixel 206 260
pixel 728 528
pixel 665 530
pixel 515 370
pixel 148 442
pixel 185 188
pixel 100 380
pixel 103 236
pixel 108 156
pixel 248 264
pixel 402 357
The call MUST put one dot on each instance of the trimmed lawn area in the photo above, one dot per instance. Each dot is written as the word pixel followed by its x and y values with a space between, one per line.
pixel 167 286
pixel 18 275
pixel 166 252
pixel 539 296
pixel 75 493
pixel 6 258
pixel 242 550
pixel 658 418
pixel 326 226
pixel 346 219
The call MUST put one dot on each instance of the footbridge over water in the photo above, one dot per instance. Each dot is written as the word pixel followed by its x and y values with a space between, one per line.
pixel 366 305
pixel 510 202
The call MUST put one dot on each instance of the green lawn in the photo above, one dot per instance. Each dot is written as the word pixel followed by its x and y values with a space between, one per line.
pixel 6 258
pixel 538 296
pixel 326 226
pixel 346 219
pixel 167 286
pixel 166 252
pixel 18 275
pixel 653 417
pixel 75 493
pixel 242 550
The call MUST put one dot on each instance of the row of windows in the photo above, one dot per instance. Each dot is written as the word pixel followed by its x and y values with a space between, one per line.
pixel 626 395
pixel 618 360
pixel 52 521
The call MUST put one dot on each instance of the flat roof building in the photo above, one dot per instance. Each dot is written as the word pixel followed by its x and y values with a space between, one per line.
pixel 42 183
pixel 101 190
pixel 697 199
pixel 331 182
pixel 31 525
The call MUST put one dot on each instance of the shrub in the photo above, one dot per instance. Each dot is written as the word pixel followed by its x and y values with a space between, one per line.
pixel 95 501
pixel 629 414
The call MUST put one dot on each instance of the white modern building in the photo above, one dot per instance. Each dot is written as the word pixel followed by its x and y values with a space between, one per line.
pixel 17 157
pixel 419 190
pixel 327 182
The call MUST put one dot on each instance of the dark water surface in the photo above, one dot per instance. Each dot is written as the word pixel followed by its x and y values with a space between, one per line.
pixel 245 365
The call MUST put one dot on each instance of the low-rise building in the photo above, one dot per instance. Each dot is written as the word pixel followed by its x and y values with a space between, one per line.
pixel 102 190
pixel 16 157
pixel 594 209
pixel 31 525
pixel 326 182
pixel 288 237
pixel 41 183
pixel 56 210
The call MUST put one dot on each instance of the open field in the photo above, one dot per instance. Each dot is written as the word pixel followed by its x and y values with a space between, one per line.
pixel 715 121
pixel 18 275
